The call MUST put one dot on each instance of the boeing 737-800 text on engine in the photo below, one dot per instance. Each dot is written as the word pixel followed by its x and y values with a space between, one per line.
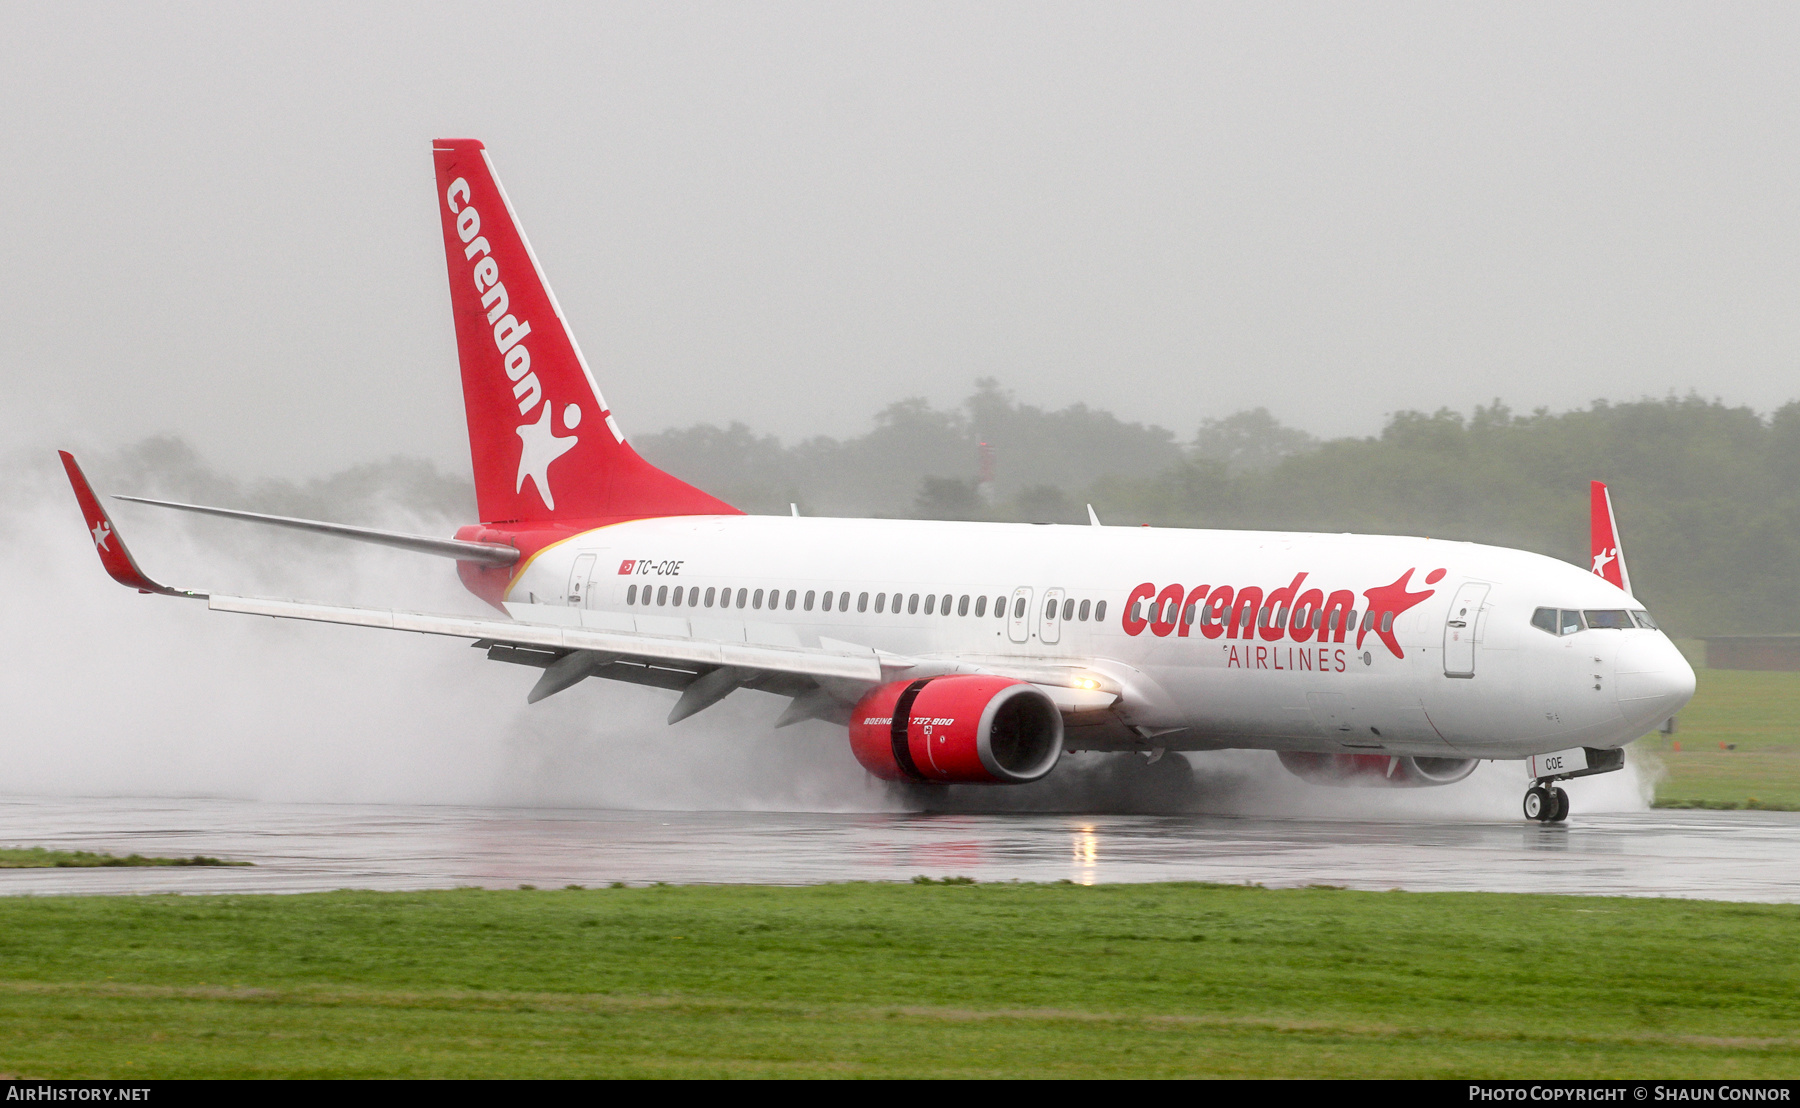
pixel 980 652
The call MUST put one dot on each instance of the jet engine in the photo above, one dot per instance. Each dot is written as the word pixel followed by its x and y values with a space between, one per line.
pixel 960 729
pixel 1377 770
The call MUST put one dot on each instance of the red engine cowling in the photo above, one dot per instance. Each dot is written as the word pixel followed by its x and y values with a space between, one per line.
pixel 961 729
pixel 1376 770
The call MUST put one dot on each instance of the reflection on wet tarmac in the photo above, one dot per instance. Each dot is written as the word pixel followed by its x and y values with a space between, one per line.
pixel 304 847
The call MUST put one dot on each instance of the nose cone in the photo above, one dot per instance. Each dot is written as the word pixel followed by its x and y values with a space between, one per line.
pixel 1654 681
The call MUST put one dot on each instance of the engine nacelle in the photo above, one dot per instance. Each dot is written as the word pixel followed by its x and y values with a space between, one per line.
pixel 1376 770
pixel 961 729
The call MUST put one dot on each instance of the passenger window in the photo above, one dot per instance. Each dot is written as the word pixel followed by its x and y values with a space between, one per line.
pixel 825 601
pixel 1000 607
pixel 1100 610
pixel 1087 604
pixel 930 603
pixel 756 601
pixel 710 592
pixel 1544 619
pixel 1644 621
pixel 662 596
pixel 1050 609
pixel 631 594
pixel 980 606
pixel 742 593
pixel 862 602
pixel 1068 610
pixel 810 597
pixel 962 606
pixel 944 605
pixel 1019 609
pixel 880 602
pixel 694 597
pixel 790 600
pixel 1571 622
pixel 1262 617
pixel 843 602
pixel 1609 620
pixel 1387 621
pixel 676 599
pixel 912 605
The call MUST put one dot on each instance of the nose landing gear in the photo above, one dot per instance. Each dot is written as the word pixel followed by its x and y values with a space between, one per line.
pixel 1546 804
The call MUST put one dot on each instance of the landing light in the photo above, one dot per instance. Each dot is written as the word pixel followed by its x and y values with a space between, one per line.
pixel 1086 683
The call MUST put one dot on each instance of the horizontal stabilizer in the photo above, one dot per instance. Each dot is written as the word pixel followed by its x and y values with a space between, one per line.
pixel 483 553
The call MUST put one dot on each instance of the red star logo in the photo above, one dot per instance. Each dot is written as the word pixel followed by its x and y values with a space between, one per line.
pixel 1395 599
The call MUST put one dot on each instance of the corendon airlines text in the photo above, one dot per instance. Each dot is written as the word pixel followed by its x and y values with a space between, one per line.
pixel 1292 612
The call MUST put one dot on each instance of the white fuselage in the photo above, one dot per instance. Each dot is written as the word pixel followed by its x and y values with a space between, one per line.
pixel 1475 677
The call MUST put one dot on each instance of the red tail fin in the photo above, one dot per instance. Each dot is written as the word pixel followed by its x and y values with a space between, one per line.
pixel 544 444
pixel 1603 537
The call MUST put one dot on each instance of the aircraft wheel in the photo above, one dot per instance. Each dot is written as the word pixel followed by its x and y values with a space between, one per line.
pixel 1561 811
pixel 1538 803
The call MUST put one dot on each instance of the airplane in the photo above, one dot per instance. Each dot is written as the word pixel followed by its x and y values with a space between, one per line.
pixel 979 653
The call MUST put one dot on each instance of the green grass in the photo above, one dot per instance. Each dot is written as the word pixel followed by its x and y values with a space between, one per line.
pixel 1755 711
pixel 898 980
pixel 37 857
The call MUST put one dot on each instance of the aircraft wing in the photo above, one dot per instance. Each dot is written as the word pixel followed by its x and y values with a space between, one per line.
pixel 824 681
pixel 569 655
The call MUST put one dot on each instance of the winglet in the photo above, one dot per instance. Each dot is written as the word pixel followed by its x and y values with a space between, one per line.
pixel 118 561
pixel 1093 520
pixel 1604 545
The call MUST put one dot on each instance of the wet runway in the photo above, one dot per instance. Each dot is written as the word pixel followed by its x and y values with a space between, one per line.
pixel 309 847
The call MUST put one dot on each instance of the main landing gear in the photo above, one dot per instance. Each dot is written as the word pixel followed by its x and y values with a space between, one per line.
pixel 1546 804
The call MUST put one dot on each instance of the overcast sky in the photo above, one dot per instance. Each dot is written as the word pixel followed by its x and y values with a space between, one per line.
pixel 220 221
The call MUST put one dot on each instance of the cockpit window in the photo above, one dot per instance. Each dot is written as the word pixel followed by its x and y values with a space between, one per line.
pixel 1544 619
pixel 1613 620
pixel 1644 621
pixel 1571 622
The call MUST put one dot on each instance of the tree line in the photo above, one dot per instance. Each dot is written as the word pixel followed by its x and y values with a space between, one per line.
pixel 1708 495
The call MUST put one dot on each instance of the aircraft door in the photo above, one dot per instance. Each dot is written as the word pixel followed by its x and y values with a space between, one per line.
pixel 1462 627
pixel 1018 620
pixel 578 579
pixel 1050 629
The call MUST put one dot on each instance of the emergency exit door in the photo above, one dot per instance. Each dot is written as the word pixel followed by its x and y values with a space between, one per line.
pixel 1050 629
pixel 1018 618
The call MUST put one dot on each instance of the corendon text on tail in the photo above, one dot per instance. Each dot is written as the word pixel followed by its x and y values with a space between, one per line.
pixel 978 653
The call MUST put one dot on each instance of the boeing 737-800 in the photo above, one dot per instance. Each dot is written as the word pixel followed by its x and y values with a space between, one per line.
pixel 981 652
